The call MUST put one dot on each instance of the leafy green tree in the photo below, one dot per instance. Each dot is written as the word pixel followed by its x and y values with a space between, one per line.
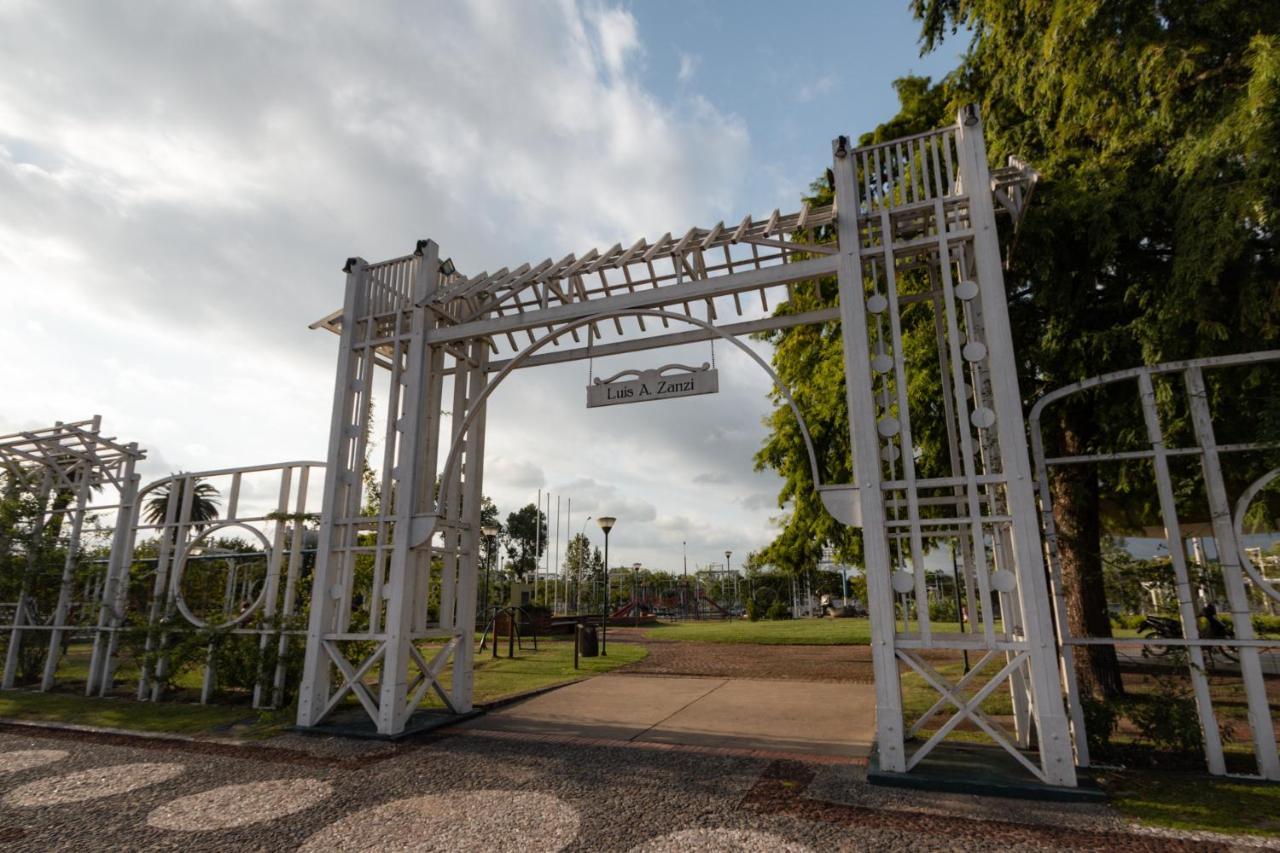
pixel 526 539
pixel 1155 127
pixel 595 575
pixel 577 563
pixel 204 505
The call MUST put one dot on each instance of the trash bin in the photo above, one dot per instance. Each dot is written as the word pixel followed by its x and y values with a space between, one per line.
pixel 588 641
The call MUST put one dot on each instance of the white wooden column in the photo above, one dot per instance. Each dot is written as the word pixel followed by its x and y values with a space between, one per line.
pixel 866 464
pixel 1224 539
pixel 1056 755
pixel 115 589
pixel 1186 598
pixel 462 683
pixel 84 479
pixel 400 588
pixel 313 694
pixel 33 552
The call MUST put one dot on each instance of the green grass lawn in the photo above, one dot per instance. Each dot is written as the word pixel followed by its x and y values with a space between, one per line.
pixel 530 670
pixel 172 717
pixel 783 632
pixel 495 679
pixel 1195 802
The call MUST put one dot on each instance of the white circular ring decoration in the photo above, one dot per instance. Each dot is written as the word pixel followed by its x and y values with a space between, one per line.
pixel 982 417
pixel 491 820
pixel 967 290
pixel 888 427
pixel 903 582
pixel 1242 506
pixel 876 303
pixel 709 840
pixel 974 351
pixel 1003 580
pixel 181 571
pixel 231 806
pixel 882 363
pixel 25 759
pixel 93 784
pixel 890 453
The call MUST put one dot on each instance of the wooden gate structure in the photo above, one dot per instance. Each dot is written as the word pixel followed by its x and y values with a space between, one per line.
pixel 914 229
pixel 909 244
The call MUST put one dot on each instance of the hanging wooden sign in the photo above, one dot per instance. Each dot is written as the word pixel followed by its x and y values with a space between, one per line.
pixel 664 383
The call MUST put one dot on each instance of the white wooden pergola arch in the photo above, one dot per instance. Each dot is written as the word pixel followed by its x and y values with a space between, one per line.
pixel 911 210
pixel 912 234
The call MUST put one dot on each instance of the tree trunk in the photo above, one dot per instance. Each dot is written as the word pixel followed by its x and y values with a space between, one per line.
pixel 1077 517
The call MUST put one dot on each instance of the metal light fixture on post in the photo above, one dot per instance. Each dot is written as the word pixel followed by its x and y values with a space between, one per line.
pixel 606 523
pixel 727 555
pixel 635 593
pixel 490 532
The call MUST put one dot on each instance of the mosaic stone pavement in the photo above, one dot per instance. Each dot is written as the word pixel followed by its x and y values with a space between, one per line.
pixel 76 791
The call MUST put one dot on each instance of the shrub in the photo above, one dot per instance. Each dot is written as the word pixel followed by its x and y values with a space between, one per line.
pixel 1264 624
pixel 1100 720
pixel 943 610
pixel 1267 624
pixel 33 648
pixel 753 610
pixel 1167 719
pixel 1131 621
pixel 778 610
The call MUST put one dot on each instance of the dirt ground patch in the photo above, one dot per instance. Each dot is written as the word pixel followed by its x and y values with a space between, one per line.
pixel 728 660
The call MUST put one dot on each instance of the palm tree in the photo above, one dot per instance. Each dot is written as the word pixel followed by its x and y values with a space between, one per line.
pixel 204 506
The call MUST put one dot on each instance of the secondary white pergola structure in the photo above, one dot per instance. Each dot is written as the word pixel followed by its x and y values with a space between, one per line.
pixel 1156 392
pixel 914 230
pixel 63 467
pixel 88 514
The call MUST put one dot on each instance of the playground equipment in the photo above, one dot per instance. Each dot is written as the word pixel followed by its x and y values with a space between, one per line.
pixel 683 598
pixel 519 624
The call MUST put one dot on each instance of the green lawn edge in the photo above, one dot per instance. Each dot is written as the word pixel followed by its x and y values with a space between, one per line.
pixel 1195 802
pixel 495 680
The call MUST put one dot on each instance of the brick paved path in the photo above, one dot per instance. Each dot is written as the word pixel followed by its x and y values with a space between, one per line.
pixel 493 791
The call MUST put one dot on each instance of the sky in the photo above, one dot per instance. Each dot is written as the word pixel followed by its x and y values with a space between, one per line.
pixel 180 185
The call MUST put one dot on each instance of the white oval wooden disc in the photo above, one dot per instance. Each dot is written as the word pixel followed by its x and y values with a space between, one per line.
pixel 975 351
pixel 982 417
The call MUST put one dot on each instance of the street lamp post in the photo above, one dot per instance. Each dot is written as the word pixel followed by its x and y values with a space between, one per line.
pixel 635 594
pixel 606 523
pixel 727 555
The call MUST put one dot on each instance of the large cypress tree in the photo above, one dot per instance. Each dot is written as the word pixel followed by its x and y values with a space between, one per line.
pixel 1156 129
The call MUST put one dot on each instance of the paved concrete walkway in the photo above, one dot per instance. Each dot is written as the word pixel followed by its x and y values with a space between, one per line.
pixel 806 717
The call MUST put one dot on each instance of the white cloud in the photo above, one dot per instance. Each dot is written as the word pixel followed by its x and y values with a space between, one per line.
pixel 816 88
pixel 180 183
pixel 688 67
pixel 520 473
pixel 617 37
